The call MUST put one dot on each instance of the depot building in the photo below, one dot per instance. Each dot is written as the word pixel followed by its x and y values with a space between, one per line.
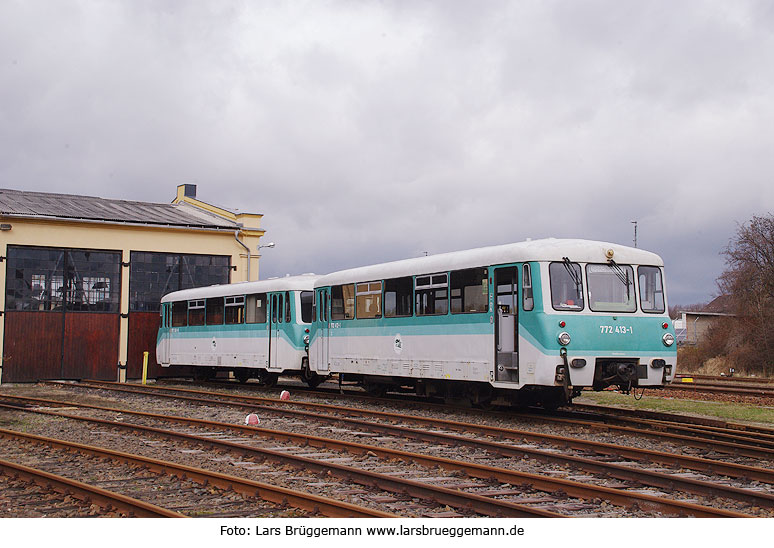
pixel 82 277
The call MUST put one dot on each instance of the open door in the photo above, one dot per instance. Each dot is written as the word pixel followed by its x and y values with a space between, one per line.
pixel 506 324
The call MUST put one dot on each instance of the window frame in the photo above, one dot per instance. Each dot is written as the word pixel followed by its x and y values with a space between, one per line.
pixel 551 285
pixel 362 295
pixel 526 288
pixel 634 290
pixel 431 288
pixel 197 305
pixel 257 298
pixel 663 290
pixel 238 303
pixel 345 306
pixel 396 282
pixel 461 297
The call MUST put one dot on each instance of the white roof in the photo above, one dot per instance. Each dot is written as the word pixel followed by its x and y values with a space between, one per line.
pixel 302 282
pixel 550 249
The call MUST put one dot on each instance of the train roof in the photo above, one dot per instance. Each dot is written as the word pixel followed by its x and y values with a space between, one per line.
pixel 302 282
pixel 550 249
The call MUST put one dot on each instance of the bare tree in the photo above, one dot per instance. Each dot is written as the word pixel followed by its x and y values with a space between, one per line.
pixel 749 280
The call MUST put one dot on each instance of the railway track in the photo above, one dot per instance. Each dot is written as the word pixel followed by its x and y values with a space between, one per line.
pixel 38 493
pixel 720 437
pixel 767 392
pixel 192 491
pixel 620 472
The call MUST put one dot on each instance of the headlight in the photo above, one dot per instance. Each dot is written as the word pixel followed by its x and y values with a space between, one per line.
pixel 306 339
pixel 668 339
pixel 564 338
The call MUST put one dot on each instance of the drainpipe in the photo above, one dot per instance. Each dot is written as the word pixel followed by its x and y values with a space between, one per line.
pixel 249 255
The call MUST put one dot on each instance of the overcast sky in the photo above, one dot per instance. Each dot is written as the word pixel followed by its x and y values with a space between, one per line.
pixel 375 131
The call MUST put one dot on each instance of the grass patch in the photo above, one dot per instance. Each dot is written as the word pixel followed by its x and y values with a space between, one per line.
pixel 733 412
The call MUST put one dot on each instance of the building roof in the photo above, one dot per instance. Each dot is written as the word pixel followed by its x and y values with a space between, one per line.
pixel 720 306
pixel 44 205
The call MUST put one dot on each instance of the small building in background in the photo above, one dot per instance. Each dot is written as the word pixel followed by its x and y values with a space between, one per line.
pixel 82 277
pixel 692 326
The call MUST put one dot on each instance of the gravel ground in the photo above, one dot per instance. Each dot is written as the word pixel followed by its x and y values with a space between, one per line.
pixel 325 486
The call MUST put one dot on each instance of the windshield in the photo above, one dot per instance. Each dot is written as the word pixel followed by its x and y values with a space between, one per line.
pixel 611 288
pixel 566 286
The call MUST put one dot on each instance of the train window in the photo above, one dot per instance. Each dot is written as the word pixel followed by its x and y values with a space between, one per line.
pixel 235 310
pixel 214 311
pixel 179 314
pixel 566 286
pixel 432 295
pixel 611 287
pixel 276 308
pixel 324 312
pixel 255 311
pixel 527 300
pixel 196 312
pixel 651 289
pixel 287 306
pixel 369 300
pixel 469 290
pixel 307 302
pixel 343 302
pixel 398 296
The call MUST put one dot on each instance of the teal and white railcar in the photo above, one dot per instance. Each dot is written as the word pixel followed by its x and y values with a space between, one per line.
pixel 253 329
pixel 531 322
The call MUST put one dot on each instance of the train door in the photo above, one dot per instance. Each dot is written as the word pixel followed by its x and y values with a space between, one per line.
pixel 322 342
pixel 166 322
pixel 275 329
pixel 506 324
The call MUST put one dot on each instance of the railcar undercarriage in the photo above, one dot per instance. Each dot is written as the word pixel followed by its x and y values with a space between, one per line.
pixel 475 394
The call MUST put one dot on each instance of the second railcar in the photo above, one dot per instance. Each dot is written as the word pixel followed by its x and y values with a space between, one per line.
pixel 253 329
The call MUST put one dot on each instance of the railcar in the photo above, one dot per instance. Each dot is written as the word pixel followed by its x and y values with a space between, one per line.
pixel 522 324
pixel 253 329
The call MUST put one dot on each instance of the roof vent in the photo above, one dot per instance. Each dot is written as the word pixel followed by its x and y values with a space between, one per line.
pixel 189 191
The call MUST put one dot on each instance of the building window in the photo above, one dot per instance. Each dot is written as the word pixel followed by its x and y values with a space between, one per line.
pixel 49 279
pixel 153 275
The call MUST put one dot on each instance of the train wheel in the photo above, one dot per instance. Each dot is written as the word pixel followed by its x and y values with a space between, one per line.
pixel 242 375
pixel 203 373
pixel 311 378
pixel 267 379
pixel 482 397
pixel 374 389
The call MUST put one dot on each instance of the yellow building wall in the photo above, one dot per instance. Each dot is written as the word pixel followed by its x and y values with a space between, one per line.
pixel 127 238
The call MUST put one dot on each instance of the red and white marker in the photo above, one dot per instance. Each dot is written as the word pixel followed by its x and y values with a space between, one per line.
pixel 284 395
pixel 252 419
